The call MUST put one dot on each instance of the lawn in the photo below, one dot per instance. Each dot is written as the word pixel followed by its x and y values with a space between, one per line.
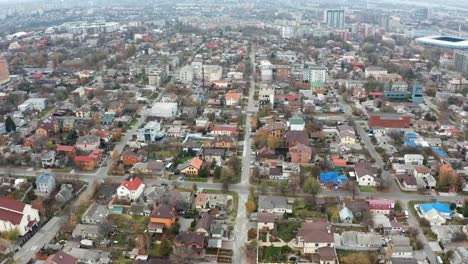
pixel 274 254
pixel 155 250
pixel 188 178
pixel 301 211
pixel 353 257
pixel 367 189
pixel 130 224
pixel 287 230
pixel 333 213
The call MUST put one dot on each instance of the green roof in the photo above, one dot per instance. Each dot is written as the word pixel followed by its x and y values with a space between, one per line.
pixel 296 120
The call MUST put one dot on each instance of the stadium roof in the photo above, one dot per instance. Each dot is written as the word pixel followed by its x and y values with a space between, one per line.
pixel 444 42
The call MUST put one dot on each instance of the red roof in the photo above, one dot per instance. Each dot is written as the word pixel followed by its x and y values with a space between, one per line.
pixel 9 216
pixel 65 148
pixel 132 184
pixel 376 93
pixel 83 158
pixel 339 162
pixel 11 204
pixel 225 128
pixel 37 75
pixel 381 204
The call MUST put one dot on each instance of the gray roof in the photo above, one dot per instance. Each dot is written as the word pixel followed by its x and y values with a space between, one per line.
pixel 345 213
pixel 96 212
pixel 399 260
pixel 272 202
pixel 352 238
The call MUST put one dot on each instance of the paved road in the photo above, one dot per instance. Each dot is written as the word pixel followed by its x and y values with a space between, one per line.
pixel 369 146
pixel 414 223
pixel 41 238
pixel 240 228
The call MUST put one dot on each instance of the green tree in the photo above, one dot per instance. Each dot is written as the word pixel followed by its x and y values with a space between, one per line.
pixel 166 247
pixel 311 186
pixel 10 124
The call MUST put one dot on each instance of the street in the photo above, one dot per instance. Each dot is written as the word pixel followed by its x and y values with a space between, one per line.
pixel 240 228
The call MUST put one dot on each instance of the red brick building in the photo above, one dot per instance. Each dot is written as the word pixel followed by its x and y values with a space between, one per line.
pixel 389 121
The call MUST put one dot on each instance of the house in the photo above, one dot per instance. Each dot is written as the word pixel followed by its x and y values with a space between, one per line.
pixel 388 120
pixel 61 258
pixel 266 153
pixel 47 129
pixel 424 178
pixel 88 256
pixel 224 131
pixel 266 221
pixel 65 193
pixel 225 142
pixel 366 175
pixel 87 143
pixel 360 240
pixel 315 238
pixel 211 201
pixel 191 167
pixel 274 204
pixel 213 154
pixel 84 231
pixel 68 124
pixel 333 178
pixel 300 153
pixel 296 123
pixel 45 183
pixel 131 189
pixel 414 159
pixel 85 163
pixel 358 207
pixel 407 182
pixel 447 233
pixel 17 215
pixel 163 216
pixel 381 224
pixel 232 99
pixel 190 240
pixel 154 168
pixel 116 106
pixel 150 132
pixel 346 215
pixel 401 247
pixel 293 138
pixel 460 256
pixel 347 138
pixel 48 159
pixel 95 214
pixel 70 151
pixel 276 130
pixel 129 157
pixel 381 206
pixel 436 213
pixel 203 224
pixel 139 210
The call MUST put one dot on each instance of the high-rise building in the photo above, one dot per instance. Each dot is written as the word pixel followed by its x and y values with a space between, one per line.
pixel 4 73
pixel 421 13
pixel 334 18
pixel 461 61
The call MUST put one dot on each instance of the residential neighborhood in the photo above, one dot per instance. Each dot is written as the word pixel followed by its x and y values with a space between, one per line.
pixel 259 131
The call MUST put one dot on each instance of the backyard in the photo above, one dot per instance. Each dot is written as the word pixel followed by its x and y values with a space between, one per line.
pixel 274 254
pixel 287 229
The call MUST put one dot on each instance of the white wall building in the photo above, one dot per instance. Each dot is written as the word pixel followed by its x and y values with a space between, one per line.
pixel 37 104
pixel 17 215
pixel 131 189
pixel 167 110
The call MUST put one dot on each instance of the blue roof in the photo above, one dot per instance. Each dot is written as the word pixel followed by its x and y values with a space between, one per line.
pixel 332 176
pixel 410 144
pixel 411 135
pixel 439 152
pixel 440 207
pixel 44 178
